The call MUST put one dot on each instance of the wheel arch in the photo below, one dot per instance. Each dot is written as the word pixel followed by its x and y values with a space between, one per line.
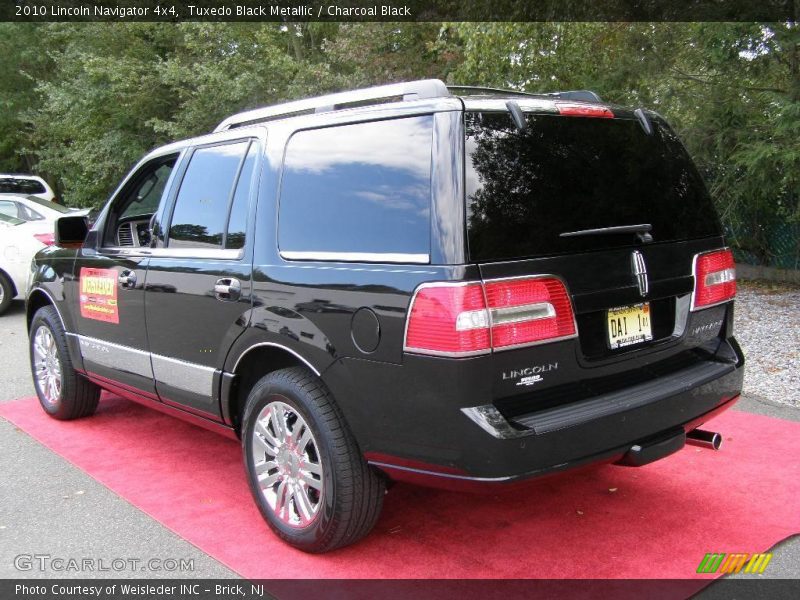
pixel 257 360
pixel 11 281
pixel 39 298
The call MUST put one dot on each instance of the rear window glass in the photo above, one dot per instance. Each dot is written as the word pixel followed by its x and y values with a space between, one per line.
pixel 358 192
pixel 12 185
pixel 566 174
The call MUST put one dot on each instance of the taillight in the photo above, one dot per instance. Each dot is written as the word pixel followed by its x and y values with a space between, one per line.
pixel 469 319
pixel 449 320
pixel 714 278
pixel 48 239
pixel 573 109
pixel 527 311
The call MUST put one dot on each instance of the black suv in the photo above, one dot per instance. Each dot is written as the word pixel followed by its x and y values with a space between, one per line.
pixel 454 286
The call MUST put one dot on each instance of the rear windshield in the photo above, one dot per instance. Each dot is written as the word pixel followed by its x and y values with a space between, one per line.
pixel 567 174
pixel 12 185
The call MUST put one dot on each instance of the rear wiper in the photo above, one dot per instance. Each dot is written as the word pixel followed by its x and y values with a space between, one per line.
pixel 642 231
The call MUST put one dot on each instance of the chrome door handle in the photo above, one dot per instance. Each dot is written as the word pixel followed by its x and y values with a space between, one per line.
pixel 127 279
pixel 227 288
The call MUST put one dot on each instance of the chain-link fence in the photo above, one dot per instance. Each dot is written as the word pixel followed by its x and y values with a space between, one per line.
pixel 777 245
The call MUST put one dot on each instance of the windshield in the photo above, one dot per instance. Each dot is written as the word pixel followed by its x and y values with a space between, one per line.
pixel 48 204
pixel 524 189
pixel 148 195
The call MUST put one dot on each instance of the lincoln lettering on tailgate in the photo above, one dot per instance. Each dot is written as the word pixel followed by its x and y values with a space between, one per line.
pixel 98 297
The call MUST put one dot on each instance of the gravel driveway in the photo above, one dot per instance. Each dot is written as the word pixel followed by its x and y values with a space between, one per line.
pixel 768 329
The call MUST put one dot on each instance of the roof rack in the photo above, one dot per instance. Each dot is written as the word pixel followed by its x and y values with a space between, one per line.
pixel 577 95
pixel 487 90
pixel 411 90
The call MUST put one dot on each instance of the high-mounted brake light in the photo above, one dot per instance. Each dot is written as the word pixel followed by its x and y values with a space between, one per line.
pixel 575 109
pixel 48 239
pixel 448 319
pixel 714 279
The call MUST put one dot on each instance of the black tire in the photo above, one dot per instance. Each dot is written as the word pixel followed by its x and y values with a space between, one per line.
pixel 352 493
pixel 6 292
pixel 78 397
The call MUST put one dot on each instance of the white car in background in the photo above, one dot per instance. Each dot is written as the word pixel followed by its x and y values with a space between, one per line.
pixel 33 208
pixel 19 241
pixel 26 185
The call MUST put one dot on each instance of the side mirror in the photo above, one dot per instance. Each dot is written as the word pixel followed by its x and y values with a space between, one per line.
pixel 71 231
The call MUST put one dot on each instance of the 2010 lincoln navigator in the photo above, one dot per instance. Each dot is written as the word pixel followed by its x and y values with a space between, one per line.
pixel 452 286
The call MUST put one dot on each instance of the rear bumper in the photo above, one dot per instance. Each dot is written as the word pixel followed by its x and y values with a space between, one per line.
pixel 429 434
pixel 454 479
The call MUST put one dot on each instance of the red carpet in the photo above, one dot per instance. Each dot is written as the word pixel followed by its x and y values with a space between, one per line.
pixel 658 523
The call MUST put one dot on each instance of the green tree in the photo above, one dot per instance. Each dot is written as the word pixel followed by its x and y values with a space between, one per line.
pixel 25 62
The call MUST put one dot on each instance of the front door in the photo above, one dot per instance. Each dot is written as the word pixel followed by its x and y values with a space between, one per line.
pixel 198 292
pixel 110 276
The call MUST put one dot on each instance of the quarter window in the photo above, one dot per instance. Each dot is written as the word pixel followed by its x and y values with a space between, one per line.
pixel 358 192
pixel 29 214
pixel 202 206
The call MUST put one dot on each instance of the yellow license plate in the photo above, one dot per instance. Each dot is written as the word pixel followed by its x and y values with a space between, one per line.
pixel 629 325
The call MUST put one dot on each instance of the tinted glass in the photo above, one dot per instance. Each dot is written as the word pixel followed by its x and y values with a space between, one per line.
pixel 237 225
pixel 566 174
pixel 148 195
pixel 11 185
pixel 201 209
pixel 361 188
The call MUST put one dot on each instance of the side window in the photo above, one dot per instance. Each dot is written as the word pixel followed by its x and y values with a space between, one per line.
pixel 9 208
pixel 358 192
pixel 29 214
pixel 237 223
pixel 201 210
pixel 137 203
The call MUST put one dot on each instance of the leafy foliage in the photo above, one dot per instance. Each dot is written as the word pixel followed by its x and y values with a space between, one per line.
pixel 82 102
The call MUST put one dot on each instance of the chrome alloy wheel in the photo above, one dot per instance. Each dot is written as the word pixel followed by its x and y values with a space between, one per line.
pixel 46 365
pixel 287 464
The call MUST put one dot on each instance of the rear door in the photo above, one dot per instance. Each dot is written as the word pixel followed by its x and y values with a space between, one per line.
pixel 614 213
pixel 198 292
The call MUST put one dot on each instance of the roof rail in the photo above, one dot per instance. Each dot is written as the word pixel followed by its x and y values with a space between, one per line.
pixel 577 95
pixel 411 90
pixel 487 90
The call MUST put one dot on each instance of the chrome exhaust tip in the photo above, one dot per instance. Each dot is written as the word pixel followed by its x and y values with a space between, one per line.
pixel 706 439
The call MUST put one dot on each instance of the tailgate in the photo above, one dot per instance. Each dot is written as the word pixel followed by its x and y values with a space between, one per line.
pixel 615 210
